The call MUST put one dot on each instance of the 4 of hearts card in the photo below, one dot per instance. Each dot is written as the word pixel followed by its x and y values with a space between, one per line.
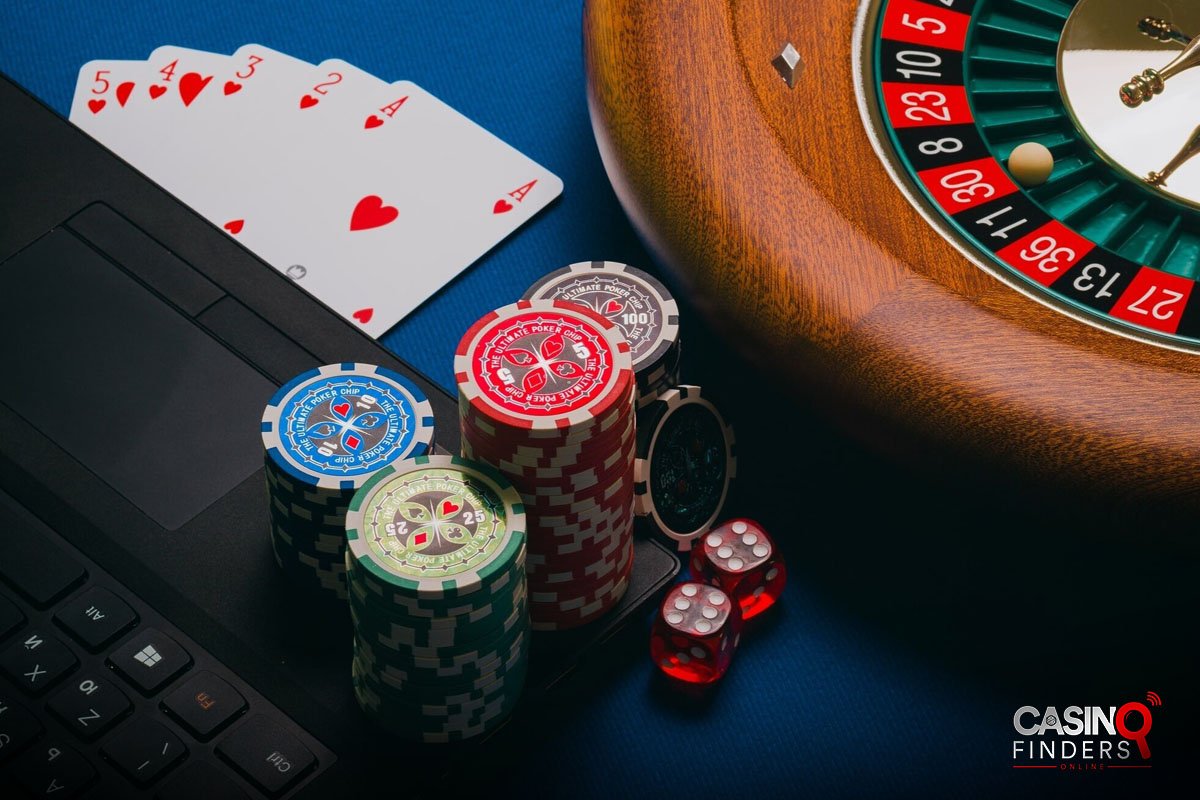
pixel 371 195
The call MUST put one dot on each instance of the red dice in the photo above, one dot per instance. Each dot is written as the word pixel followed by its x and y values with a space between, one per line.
pixel 739 557
pixel 696 633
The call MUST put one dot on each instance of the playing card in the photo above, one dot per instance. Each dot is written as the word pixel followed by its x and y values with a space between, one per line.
pixel 289 126
pixel 371 195
pixel 104 90
pixel 413 194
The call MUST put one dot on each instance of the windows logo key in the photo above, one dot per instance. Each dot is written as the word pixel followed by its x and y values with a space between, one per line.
pixel 148 656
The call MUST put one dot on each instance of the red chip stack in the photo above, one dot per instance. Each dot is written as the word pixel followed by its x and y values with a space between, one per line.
pixel 546 395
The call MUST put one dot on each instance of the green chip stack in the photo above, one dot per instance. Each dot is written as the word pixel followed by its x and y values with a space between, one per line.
pixel 435 567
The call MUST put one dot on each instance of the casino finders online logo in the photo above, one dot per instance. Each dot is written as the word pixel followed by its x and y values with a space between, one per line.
pixel 1084 738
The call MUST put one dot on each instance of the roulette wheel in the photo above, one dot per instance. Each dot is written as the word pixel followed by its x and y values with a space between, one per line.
pixel 969 227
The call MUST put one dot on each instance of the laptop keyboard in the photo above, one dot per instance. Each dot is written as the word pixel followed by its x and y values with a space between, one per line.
pixel 101 697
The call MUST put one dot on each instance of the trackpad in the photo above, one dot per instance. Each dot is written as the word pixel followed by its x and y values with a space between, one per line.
pixel 132 389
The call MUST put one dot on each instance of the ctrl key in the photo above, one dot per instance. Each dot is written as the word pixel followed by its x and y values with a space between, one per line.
pixel 53 770
pixel 266 754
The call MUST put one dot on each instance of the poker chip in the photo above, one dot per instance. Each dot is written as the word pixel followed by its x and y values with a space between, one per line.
pixel 639 304
pixel 434 567
pixel 685 462
pixel 325 434
pixel 546 396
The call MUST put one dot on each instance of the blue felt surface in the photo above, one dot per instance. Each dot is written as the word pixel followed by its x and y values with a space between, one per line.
pixel 897 659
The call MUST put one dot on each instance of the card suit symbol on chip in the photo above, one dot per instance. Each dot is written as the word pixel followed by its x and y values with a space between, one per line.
pixel 502 206
pixel 232 87
pixel 96 105
pixel 449 507
pixel 612 307
pixel 123 92
pixel 372 213
pixel 308 101
pixel 364 315
pixel 342 410
pixel 234 226
pixel 191 85
pixel 157 92
pixel 373 121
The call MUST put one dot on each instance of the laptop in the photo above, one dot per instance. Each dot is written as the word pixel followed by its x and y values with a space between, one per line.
pixel 148 644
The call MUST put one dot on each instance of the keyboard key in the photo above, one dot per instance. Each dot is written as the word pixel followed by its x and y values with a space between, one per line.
pixel 204 704
pixel 200 780
pixel 96 617
pixel 270 757
pixel 34 565
pixel 143 750
pixel 90 705
pixel 18 728
pixel 150 660
pixel 10 617
pixel 53 770
pixel 37 661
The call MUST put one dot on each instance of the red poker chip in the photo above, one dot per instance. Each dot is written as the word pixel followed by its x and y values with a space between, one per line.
pixel 553 601
pixel 527 466
pixel 560 457
pixel 549 542
pixel 602 552
pixel 543 366
pixel 588 580
pixel 575 474
pixel 534 458
pixel 547 395
pixel 576 551
pixel 556 617
pixel 572 525
pixel 487 429
pixel 565 492
pixel 606 547
pixel 587 439
pixel 616 466
pixel 550 513
pixel 552 578
pixel 602 496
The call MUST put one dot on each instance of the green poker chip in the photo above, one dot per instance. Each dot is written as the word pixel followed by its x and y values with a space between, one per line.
pixel 434 570
pixel 432 642
pixel 436 526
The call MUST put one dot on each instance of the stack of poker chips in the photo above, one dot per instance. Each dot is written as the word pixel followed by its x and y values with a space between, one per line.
pixel 686 459
pixel 326 432
pixel 546 395
pixel 435 561
pixel 642 308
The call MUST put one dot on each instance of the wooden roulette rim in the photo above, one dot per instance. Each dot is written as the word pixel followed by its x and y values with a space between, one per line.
pixel 772 210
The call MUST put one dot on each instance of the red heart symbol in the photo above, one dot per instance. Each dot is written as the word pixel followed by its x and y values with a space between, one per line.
pixel 612 307
pixel 372 122
pixel 371 213
pixel 502 206
pixel 191 85
pixel 308 101
pixel 364 315
pixel 157 92
pixel 234 226
pixel 96 105
pixel 232 87
pixel 123 91
pixel 449 508
pixel 342 409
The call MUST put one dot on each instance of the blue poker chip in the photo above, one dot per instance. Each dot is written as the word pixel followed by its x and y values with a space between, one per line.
pixel 335 426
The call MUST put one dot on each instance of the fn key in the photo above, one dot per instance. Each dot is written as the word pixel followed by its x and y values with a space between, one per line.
pixel 266 754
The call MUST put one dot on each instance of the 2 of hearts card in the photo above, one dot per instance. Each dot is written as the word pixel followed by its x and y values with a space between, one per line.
pixel 370 195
